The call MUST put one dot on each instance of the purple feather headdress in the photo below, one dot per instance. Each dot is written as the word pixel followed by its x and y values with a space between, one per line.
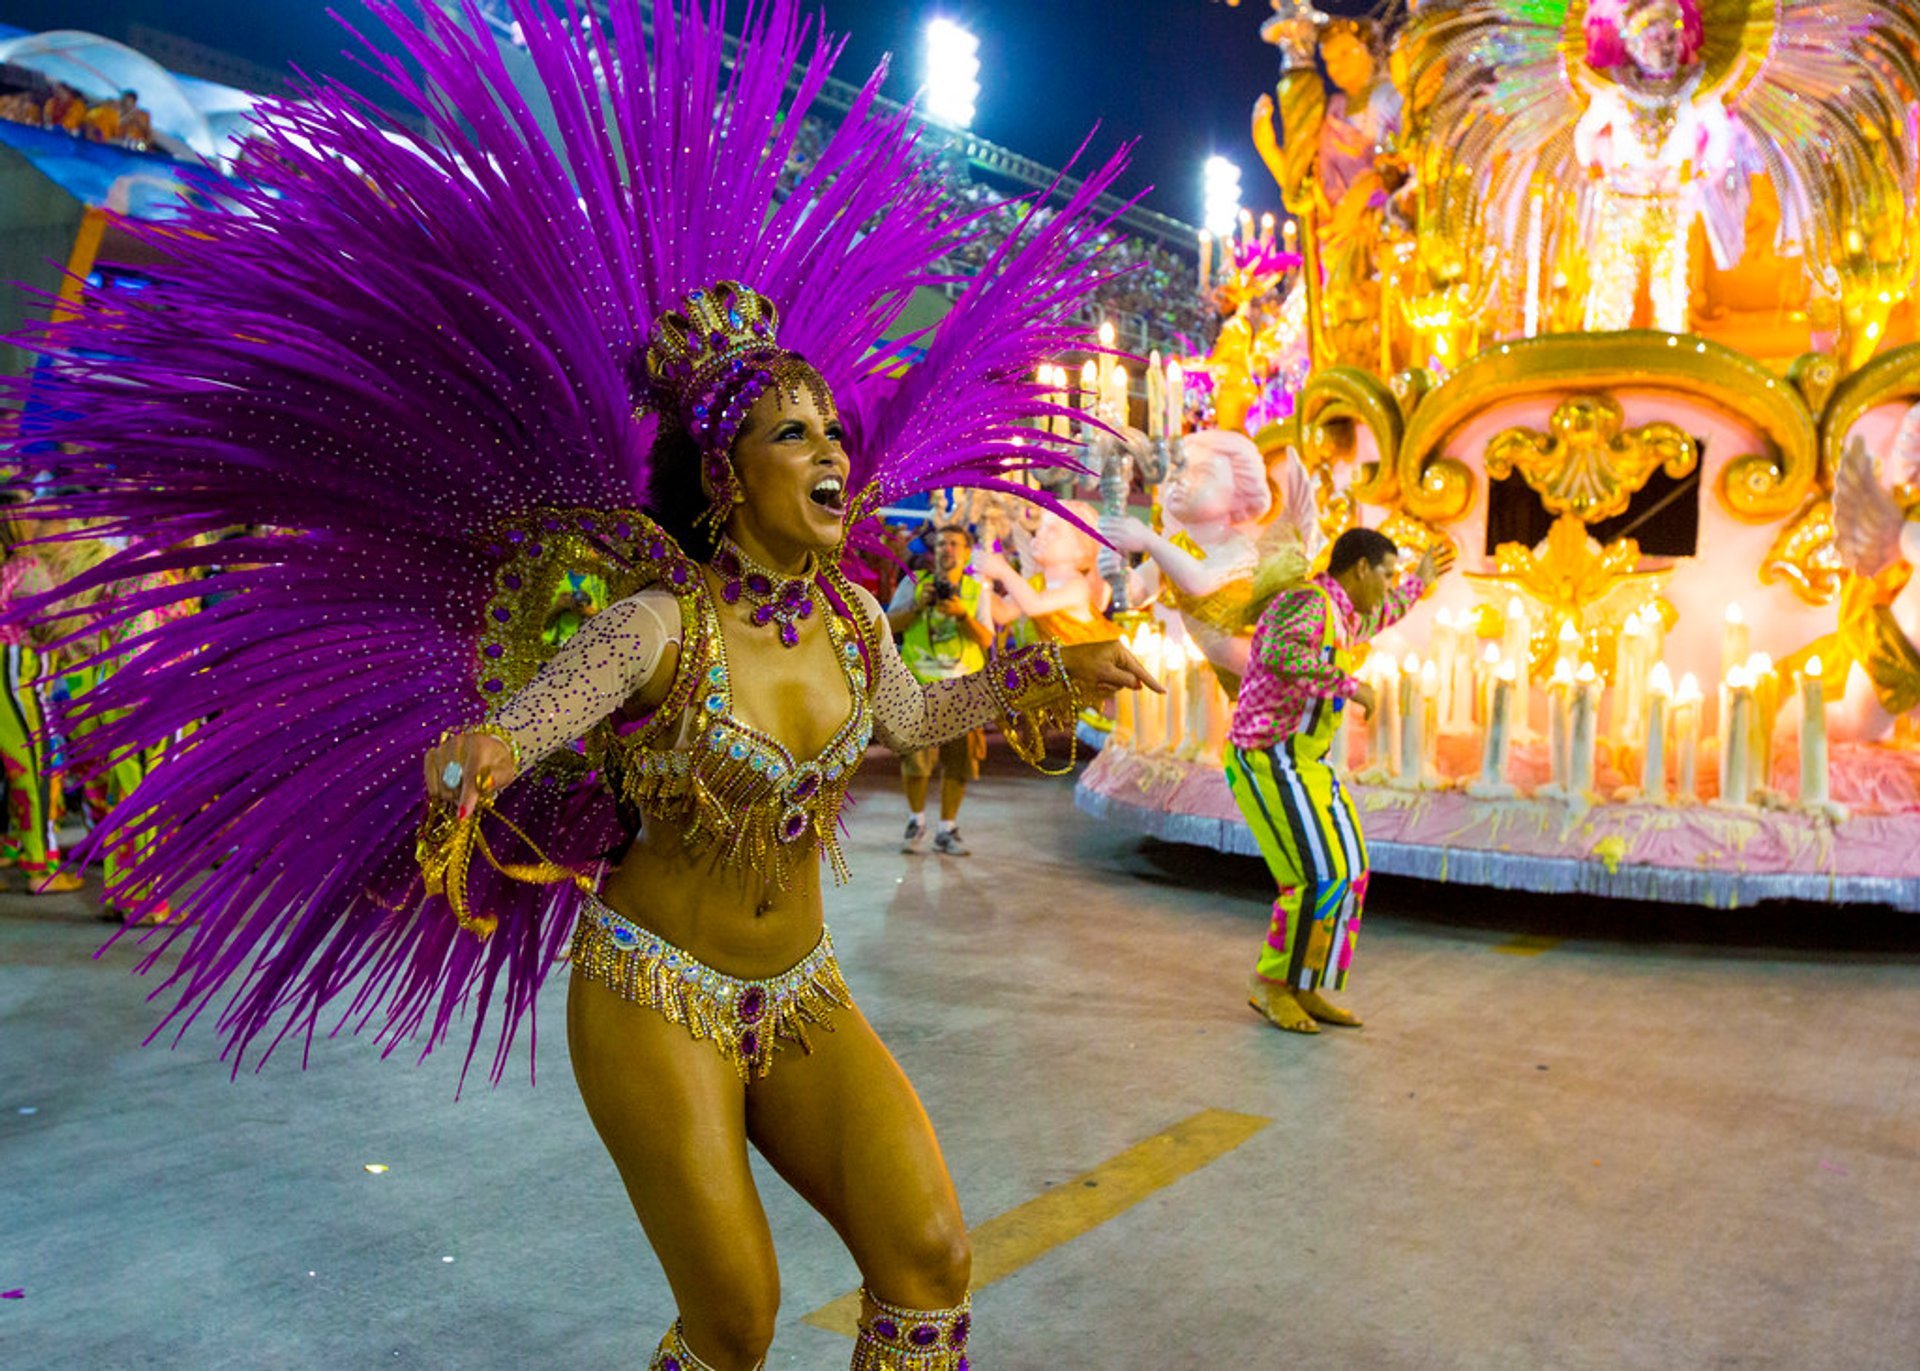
pixel 400 344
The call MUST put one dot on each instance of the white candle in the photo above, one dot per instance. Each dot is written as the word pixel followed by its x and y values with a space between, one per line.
pixel 1290 235
pixel 1150 727
pixel 1483 690
pixel 1206 260
pixel 1813 734
pixel 1219 715
pixel 1582 721
pixel 1686 733
pixel 1156 397
pixel 1446 652
pixel 1266 230
pixel 1124 700
pixel 1412 708
pixel 1117 401
pixel 1733 640
pixel 1559 716
pixel 1653 760
pixel 1430 722
pixel 1176 399
pixel 1089 387
pixel 1516 647
pixel 1497 741
pixel 1174 674
pixel 1199 727
pixel 1383 742
pixel 1246 228
pixel 1631 659
pixel 1766 713
pixel 1104 359
pixel 1736 737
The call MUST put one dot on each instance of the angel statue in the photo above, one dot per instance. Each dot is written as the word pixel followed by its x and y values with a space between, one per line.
pixel 1876 517
pixel 1657 114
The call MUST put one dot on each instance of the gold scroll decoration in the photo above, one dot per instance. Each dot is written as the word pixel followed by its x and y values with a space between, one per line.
pixel 1331 404
pixel 1892 377
pixel 1769 486
pixel 1588 464
pixel 1805 555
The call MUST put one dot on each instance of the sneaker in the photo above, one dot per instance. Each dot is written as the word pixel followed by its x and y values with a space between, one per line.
pixel 951 844
pixel 915 835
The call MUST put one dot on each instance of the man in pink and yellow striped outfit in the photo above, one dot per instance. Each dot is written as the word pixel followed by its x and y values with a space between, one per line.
pixel 1300 677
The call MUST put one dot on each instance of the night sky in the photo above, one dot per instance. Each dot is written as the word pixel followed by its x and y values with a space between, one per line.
pixel 1179 75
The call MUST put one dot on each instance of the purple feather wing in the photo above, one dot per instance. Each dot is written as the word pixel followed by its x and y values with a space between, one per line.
pixel 378 351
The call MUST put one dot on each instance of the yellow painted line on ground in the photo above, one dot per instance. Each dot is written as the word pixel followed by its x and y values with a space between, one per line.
pixel 1023 1235
pixel 1527 945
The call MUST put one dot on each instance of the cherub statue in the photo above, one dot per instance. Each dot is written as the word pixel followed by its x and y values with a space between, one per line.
pixel 1213 506
pixel 1877 530
pixel 1654 117
pixel 1061 590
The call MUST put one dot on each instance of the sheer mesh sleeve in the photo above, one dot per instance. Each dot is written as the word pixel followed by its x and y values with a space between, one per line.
pixel 908 715
pixel 614 655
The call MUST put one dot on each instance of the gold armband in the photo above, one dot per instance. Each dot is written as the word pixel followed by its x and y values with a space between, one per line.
pixel 1034 693
pixel 491 730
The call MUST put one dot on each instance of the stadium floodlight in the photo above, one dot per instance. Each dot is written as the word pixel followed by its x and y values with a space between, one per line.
pixel 1222 197
pixel 952 74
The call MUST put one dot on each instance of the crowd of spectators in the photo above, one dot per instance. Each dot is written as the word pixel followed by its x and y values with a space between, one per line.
pixel 120 120
pixel 1151 297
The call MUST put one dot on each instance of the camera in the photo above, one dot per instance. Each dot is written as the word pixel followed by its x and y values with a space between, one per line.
pixel 943 590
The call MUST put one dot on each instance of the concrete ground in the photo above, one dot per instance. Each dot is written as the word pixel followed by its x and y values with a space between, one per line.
pixel 1570 1136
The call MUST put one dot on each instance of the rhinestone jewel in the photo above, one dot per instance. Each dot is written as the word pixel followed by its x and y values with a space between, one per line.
pixel 753 1003
pixel 886 1328
pixel 925 1335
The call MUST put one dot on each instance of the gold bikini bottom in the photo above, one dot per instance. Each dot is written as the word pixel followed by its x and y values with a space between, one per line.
pixel 744 1019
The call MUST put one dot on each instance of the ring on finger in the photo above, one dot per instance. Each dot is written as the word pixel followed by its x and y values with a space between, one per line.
pixel 453 774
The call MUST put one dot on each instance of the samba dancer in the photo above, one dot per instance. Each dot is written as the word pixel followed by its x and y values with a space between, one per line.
pixel 501 357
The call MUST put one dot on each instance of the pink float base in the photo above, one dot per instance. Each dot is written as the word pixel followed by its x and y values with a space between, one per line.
pixel 1694 854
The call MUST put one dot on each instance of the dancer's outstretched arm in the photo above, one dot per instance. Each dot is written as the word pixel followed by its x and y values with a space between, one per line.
pixel 624 654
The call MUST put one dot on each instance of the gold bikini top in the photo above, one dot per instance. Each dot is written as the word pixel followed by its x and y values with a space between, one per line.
pixel 695 763
pixel 691 760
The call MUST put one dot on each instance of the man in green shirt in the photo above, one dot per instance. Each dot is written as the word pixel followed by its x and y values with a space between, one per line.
pixel 943 621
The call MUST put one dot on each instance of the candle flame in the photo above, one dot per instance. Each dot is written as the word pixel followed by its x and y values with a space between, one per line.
pixel 1660 680
pixel 1491 655
pixel 1734 613
pixel 1812 670
pixel 1569 635
pixel 1587 675
pixel 1107 334
pixel 1739 679
pixel 1411 664
pixel 1506 673
pixel 1689 692
pixel 1758 665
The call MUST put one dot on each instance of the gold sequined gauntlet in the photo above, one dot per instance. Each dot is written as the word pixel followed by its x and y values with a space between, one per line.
pixel 895 1339
pixel 1031 686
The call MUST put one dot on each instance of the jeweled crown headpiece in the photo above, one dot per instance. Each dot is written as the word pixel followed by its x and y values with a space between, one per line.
pixel 707 364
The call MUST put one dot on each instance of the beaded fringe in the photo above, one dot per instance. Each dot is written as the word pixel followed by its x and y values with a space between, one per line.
pixel 895 1339
pixel 744 1019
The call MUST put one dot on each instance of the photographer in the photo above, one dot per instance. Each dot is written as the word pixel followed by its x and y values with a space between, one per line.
pixel 943 621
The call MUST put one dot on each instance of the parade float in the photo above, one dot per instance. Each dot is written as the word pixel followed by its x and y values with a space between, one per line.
pixel 1616 302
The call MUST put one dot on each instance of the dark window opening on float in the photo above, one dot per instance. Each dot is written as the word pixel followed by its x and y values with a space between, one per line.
pixel 1663 516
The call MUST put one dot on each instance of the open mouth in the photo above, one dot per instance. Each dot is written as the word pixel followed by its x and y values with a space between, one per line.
pixel 831 495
